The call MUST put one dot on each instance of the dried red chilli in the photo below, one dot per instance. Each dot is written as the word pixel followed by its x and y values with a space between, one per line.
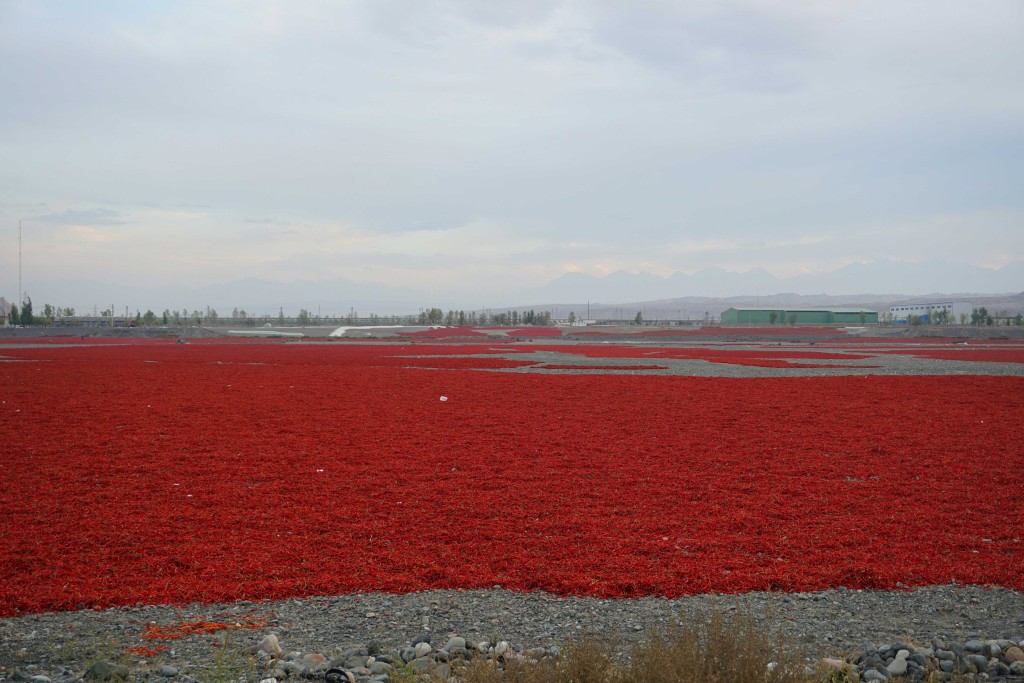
pixel 171 473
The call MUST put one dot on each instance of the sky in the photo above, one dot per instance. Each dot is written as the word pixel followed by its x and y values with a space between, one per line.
pixel 479 147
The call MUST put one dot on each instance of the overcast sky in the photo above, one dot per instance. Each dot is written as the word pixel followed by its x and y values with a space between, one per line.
pixel 485 145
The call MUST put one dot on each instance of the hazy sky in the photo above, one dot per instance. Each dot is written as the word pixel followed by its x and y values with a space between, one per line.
pixel 485 144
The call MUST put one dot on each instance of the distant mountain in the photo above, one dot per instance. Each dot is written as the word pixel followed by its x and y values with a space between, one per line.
pixel 878 277
pixel 857 284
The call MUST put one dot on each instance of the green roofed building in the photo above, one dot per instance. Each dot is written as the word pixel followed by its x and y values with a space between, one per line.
pixel 799 316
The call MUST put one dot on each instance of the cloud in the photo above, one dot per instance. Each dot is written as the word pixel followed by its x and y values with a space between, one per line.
pixel 84 217
pixel 465 139
pixel 86 234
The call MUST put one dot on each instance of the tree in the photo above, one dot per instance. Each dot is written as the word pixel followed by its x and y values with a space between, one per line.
pixel 15 315
pixel 639 319
pixel 26 312
pixel 280 316
pixel 773 316
pixel 572 317
pixel 149 318
pixel 48 311
pixel 792 319
pixel 303 317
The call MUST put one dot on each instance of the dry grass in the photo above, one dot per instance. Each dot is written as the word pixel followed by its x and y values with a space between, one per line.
pixel 715 652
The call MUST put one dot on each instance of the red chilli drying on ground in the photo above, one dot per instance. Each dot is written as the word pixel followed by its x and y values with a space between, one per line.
pixel 163 473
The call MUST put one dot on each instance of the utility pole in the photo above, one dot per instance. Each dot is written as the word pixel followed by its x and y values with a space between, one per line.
pixel 21 294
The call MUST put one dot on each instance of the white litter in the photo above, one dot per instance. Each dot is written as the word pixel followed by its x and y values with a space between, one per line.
pixel 444 398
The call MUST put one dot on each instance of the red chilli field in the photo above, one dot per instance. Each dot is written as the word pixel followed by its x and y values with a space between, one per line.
pixel 171 473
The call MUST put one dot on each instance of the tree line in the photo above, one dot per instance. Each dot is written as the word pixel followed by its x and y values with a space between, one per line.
pixel 209 316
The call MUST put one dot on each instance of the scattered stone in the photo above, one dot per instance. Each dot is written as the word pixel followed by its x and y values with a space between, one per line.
pixel 105 671
pixel 455 642
pixel 271 646
pixel 314 661
pixel 167 671
pixel 1013 654
pixel 897 667
pixel 834 663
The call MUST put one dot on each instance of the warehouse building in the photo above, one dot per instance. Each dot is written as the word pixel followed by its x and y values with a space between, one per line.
pixel 952 312
pixel 799 316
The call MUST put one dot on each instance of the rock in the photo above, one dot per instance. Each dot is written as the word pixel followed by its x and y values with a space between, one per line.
pixel 105 671
pixel 454 643
pixel 271 646
pixel 40 679
pixel 872 675
pixel 1013 654
pixel 374 648
pixel 501 648
pixel 167 671
pixel 1017 668
pixel 355 661
pixel 293 668
pixel 946 665
pixel 998 669
pixel 974 645
pixel 269 680
pixel 898 667
pixel 314 660
pixel 381 668
pixel 408 654
pixel 421 649
pixel 422 638
pixel 980 662
pixel 833 663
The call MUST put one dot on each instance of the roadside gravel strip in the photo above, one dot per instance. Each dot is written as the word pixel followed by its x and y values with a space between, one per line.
pixel 60 646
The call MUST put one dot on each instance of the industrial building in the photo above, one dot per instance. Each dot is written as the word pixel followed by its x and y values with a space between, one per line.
pixel 955 312
pixel 799 316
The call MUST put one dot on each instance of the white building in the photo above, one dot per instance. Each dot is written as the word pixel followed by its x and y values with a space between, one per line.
pixel 902 312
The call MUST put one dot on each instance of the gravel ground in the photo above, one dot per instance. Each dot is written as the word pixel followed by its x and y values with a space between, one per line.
pixel 876 364
pixel 833 622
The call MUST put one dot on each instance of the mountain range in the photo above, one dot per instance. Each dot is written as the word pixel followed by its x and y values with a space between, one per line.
pixel 878 277
pixel 868 284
